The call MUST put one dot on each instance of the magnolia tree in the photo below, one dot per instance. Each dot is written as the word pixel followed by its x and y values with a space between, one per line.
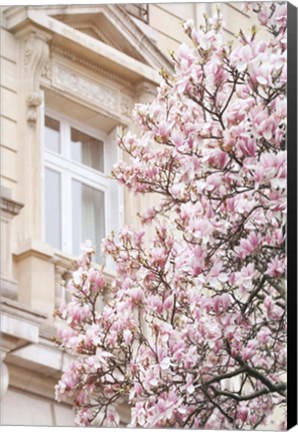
pixel 192 333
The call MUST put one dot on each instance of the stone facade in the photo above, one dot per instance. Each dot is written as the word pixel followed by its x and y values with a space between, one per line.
pixel 90 63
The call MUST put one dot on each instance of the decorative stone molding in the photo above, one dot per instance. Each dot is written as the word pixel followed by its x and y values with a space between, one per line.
pixel 89 25
pixel 33 248
pixel 36 53
pixel 24 313
pixel 137 37
pixel 85 88
pixel 9 209
pixel 9 206
pixel 19 328
pixel 90 65
pixel 47 71
pixel 34 46
pixel 33 102
pixel 63 266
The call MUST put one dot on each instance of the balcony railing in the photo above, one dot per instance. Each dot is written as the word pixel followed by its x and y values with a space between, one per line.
pixel 140 11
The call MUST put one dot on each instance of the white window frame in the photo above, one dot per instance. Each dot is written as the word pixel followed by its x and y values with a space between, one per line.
pixel 70 169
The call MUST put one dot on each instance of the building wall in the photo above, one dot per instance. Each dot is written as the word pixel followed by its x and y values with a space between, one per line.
pixel 8 111
pixel 166 19
pixel 46 63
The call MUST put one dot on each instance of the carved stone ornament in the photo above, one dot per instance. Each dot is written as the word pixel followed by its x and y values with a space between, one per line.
pixel 7 204
pixel 36 54
pixel 88 89
pixel 47 71
pixel 33 102
pixel 70 55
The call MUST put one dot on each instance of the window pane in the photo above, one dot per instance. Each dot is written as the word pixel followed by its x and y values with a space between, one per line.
pixel 52 134
pixel 87 150
pixel 88 217
pixel 53 208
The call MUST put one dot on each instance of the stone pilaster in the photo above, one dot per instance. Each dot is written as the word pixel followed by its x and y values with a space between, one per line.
pixel 34 53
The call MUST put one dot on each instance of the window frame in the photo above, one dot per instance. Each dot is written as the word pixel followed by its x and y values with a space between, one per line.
pixel 72 170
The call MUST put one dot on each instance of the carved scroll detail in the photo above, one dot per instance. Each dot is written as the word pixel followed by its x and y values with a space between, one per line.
pixel 35 52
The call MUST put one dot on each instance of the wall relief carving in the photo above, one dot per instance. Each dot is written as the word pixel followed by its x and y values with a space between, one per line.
pixel 85 88
pixel 70 55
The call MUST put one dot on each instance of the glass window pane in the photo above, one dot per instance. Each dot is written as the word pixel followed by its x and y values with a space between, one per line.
pixel 53 208
pixel 88 217
pixel 52 134
pixel 87 150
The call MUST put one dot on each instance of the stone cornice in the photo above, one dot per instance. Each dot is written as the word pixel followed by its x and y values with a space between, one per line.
pixel 19 328
pixel 33 381
pixel 79 59
pixel 147 49
pixel 108 57
pixel 10 206
pixel 120 18
pixel 21 311
pixel 34 248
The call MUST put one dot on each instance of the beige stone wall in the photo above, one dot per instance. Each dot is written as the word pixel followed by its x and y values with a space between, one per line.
pixel 166 19
pixel 9 111
pixel 20 408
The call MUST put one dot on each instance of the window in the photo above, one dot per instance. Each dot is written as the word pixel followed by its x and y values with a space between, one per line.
pixel 76 187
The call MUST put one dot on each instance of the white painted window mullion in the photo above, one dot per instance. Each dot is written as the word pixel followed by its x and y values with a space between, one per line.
pixel 66 210
pixel 65 139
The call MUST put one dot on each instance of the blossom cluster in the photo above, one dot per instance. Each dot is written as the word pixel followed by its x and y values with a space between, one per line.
pixel 192 332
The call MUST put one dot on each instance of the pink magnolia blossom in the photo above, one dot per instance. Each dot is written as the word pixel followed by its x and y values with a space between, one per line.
pixel 191 331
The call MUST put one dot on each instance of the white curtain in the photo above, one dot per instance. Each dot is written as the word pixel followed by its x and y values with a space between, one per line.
pixel 88 216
